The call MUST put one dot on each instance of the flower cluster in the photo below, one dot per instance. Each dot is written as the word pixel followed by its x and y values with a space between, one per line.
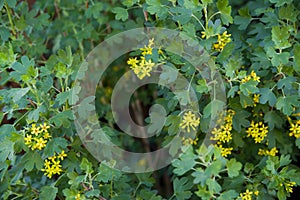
pixel 256 99
pixel 258 131
pixel 52 164
pixel 223 40
pixel 37 136
pixel 189 121
pixel 288 186
pixel 143 66
pixel 187 141
pixel 295 128
pixel 253 76
pixel 248 194
pixel 223 134
pixel 266 152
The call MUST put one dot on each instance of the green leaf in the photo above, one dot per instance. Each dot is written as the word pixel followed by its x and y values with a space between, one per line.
pixel 62 119
pixel 173 122
pixel 273 120
pixel 287 104
pixel 106 173
pixel 214 168
pixel 86 166
pixel 213 109
pixel 121 13
pixel 6 149
pixel 267 96
pixel 244 19
pixel 213 186
pixel 35 114
pixel 280 36
pixel 157 119
pixel 296 57
pixel 31 159
pixel 288 12
pixel 240 120
pixel 249 87
pixel 182 188
pixel 225 10
pixel 155 7
pixel 17 94
pixel 55 145
pixel 233 167
pixel 230 194
pixel 85 107
pixel 168 75
pixel 48 193
pixel 201 86
pixel 185 162
pixel 279 3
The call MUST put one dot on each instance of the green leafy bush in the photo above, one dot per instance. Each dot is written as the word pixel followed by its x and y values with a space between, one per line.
pixel 255 47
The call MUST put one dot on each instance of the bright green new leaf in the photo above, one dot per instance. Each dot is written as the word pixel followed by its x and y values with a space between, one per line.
pixel 225 10
pixel 233 167
pixel 280 36
pixel 121 13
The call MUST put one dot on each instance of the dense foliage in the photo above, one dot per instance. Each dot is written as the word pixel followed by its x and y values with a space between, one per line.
pixel 253 44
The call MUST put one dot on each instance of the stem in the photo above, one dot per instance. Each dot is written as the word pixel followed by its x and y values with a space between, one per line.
pixel 199 21
pixel 10 19
pixel 213 16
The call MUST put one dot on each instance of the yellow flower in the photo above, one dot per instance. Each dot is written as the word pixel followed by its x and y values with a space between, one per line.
pixel 46 135
pixel 223 40
pixel 295 129
pixel 189 141
pixel 77 197
pixel 133 62
pixel 256 193
pixel 246 195
pixel 258 131
pixel 40 143
pixel 256 99
pixel 225 151
pixel 289 186
pixel 189 121
pixel 44 127
pixel 62 155
pixel 28 140
pixel 35 130
pixel 52 166
pixel 272 152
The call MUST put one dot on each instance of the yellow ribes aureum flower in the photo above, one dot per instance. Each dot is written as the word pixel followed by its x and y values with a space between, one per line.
pixel 258 131
pixel 265 152
pixel 37 136
pixel 223 134
pixel 189 121
pixel 52 164
pixel 142 67
pixel 247 195
pixel 294 128
pixel 223 40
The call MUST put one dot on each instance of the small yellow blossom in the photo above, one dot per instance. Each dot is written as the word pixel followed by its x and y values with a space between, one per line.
pixel 189 121
pixel 289 186
pixel 35 130
pixel 264 152
pixel 190 141
pixel 223 40
pixel 295 128
pixel 52 165
pixel 77 197
pixel 256 193
pixel 62 155
pixel 44 127
pixel 258 131
pixel 246 195
pixel 225 151
pixel 256 99
pixel 40 143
